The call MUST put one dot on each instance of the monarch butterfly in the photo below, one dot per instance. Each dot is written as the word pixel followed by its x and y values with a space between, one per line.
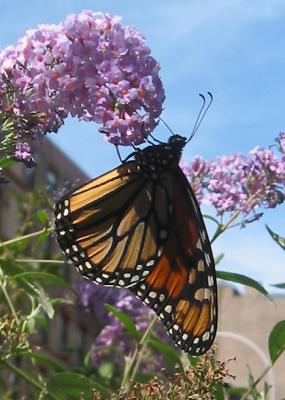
pixel 139 226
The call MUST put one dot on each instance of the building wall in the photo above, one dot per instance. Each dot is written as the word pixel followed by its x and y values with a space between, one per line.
pixel 71 332
pixel 245 322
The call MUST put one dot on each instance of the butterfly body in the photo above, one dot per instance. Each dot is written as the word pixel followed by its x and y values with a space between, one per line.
pixel 157 158
pixel 140 226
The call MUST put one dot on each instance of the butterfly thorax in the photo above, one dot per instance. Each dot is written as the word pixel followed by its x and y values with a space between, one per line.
pixel 157 158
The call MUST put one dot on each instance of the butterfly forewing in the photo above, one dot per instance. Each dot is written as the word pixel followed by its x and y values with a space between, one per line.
pixel 182 287
pixel 111 228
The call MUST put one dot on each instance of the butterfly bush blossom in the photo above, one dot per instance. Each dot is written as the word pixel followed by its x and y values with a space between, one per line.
pixel 111 333
pixel 243 183
pixel 90 67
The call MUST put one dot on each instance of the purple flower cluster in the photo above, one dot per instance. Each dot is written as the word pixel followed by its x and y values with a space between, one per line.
pixel 240 182
pixel 89 66
pixel 113 340
pixel 23 153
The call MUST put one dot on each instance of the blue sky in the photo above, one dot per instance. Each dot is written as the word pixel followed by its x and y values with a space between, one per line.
pixel 235 49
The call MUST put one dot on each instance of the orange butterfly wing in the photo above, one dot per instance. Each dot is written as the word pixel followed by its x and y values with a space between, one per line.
pixel 182 287
pixel 110 227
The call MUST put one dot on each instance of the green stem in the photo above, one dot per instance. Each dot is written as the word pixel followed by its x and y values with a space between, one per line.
pixel 24 237
pixel 33 382
pixel 245 396
pixel 225 226
pixel 31 260
pixel 135 361
pixel 10 304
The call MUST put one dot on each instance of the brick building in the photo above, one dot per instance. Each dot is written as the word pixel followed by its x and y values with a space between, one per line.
pixel 70 333
pixel 245 322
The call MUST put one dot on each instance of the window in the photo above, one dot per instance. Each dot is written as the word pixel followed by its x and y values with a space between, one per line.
pixel 51 180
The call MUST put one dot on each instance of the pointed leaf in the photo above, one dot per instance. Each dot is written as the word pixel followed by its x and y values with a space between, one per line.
pixel 37 292
pixel 42 238
pixel 44 360
pixel 277 238
pixel 219 258
pixel 219 394
pixel 143 377
pixel 43 218
pixel 9 267
pixel 279 285
pixel 165 350
pixel 276 341
pixel 236 391
pixel 243 280
pixel 6 162
pixel 45 301
pixel 34 276
pixel 207 216
pixel 125 320
pixel 71 386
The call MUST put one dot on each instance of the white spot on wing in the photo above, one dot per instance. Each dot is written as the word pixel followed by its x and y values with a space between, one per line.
pixel 210 280
pixel 161 297
pixel 168 308
pixel 206 336
pixel 199 244
pixel 135 278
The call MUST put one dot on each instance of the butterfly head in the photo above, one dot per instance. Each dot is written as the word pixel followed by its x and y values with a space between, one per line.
pixel 177 141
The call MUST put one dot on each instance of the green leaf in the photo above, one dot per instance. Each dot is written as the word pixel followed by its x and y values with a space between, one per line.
pixel 219 258
pixel 106 370
pixel 125 320
pixel 44 301
pixel 279 285
pixel 60 300
pixel 71 386
pixel 42 238
pixel 43 360
pixel 207 216
pixel 143 378
pixel 43 218
pixel 31 324
pixel 219 394
pixel 8 124
pixel 165 350
pixel 38 293
pixel 236 391
pixel 243 280
pixel 277 238
pixel 6 162
pixel 276 341
pixel 34 276
pixel 9 267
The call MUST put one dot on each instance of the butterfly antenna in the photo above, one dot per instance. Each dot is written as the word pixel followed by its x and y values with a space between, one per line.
pixel 156 140
pixel 201 115
pixel 118 153
pixel 167 126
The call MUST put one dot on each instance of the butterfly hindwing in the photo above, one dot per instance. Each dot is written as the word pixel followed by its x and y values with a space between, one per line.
pixel 182 287
pixel 112 228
